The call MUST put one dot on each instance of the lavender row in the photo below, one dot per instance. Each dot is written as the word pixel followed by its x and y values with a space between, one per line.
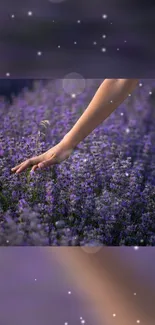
pixel 103 194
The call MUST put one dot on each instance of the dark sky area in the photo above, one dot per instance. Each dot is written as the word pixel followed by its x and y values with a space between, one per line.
pixel 57 38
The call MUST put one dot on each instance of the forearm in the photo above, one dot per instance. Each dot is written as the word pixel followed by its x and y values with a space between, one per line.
pixel 105 280
pixel 108 97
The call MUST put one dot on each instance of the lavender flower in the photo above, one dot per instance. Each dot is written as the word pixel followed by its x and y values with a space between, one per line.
pixel 103 194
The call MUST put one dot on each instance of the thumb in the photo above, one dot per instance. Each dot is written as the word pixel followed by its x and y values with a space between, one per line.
pixel 47 163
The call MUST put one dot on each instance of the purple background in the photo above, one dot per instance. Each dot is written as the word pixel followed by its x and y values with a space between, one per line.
pixel 130 26
pixel 46 301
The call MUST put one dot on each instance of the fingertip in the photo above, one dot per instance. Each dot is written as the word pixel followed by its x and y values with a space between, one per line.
pixel 18 171
pixel 34 168
pixel 41 165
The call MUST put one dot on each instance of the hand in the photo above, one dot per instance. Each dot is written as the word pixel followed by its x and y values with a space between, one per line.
pixel 53 156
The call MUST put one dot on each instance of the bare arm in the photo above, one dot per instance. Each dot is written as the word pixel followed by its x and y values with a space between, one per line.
pixel 106 280
pixel 108 97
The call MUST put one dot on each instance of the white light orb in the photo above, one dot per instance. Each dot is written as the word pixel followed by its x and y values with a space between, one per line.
pixel 74 83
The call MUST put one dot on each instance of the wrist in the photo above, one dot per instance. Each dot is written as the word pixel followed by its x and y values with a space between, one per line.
pixel 68 140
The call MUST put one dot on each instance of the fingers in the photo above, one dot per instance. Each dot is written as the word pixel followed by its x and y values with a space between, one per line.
pixel 15 168
pixel 24 165
pixel 35 162
pixel 48 162
pixel 34 168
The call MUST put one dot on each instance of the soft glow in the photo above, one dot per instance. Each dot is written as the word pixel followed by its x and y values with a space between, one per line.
pixel 12 16
pixel 104 16
pixel 78 21
pixel 73 83
pixel 39 53
pixel 69 292
pixel 91 249
pixel 94 43
pixel 136 248
pixel 103 49
pixel 114 315
pixel 104 36
pixel 140 85
pixel 8 74
pixel 30 13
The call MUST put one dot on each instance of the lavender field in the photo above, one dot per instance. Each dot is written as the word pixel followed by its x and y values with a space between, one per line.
pixel 103 194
